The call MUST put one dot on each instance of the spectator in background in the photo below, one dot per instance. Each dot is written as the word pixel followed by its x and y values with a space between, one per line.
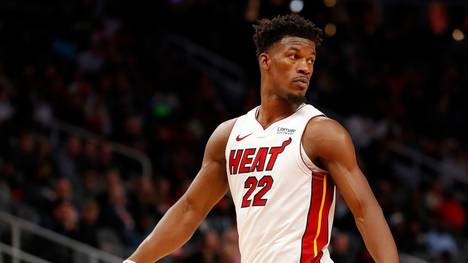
pixel 210 249
pixel 69 159
pixel 65 222
pixel 144 205
pixel 434 195
pixel 93 185
pixel 89 224
pixel 106 157
pixel 63 190
pixel 115 211
pixel 5 194
pixel 6 108
pixel 65 218
pixel 90 159
pixel 342 249
pixel 38 190
pixel 451 212
pixel 23 157
pixel 163 195
pixel 439 240
pixel 8 176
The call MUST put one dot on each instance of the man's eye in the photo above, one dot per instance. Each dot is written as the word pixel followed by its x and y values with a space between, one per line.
pixel 293 56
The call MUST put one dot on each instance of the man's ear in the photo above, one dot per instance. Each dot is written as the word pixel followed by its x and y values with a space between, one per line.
pixel 264 61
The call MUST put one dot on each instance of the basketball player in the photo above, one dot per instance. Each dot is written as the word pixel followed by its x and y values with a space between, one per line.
pixel 281 162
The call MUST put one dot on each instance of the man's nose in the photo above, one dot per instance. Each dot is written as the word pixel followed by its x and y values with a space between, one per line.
pixel 304 67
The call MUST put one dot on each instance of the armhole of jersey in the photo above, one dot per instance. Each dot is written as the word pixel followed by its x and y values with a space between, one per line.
pixel 305 163
pixel 233 127
pixel 305 159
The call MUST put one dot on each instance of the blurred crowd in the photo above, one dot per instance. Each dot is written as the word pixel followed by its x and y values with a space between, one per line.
pixel 394 73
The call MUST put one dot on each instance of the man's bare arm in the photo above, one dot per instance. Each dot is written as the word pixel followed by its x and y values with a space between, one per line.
pixel 327 141
pixel 183 218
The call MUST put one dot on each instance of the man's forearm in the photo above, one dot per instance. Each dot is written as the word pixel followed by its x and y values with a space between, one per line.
pixel 376 234
pixel 172 231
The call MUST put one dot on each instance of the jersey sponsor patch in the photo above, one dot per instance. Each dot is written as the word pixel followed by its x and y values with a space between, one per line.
pixel 287 131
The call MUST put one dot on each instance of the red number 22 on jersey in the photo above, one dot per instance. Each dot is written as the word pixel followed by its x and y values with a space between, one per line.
pixel 251 183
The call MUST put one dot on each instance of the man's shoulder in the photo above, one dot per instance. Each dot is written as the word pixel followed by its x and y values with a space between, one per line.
pixel 322 128
pixel 325 137
pixel 225 127
pixel 216 145
pixel 222 132
pixel 322 121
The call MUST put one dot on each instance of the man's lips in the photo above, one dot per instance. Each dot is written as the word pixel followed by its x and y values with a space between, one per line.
pixel 304 80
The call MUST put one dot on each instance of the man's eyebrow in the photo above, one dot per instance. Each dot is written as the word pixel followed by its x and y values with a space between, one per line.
pixel 297 49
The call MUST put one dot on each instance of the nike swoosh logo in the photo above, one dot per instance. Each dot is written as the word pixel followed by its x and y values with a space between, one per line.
pixel 238 138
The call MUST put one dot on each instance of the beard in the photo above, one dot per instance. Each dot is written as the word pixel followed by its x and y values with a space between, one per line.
pixel 295 99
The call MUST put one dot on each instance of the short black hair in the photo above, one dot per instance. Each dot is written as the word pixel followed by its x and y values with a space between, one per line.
pixel 270 31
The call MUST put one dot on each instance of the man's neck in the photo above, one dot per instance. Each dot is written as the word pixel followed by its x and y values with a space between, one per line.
pixel 273 110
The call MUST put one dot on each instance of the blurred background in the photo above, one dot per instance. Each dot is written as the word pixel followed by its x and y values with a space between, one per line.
pixel 106 106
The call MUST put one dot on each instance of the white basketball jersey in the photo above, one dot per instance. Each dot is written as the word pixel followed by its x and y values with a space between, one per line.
pixel 284 203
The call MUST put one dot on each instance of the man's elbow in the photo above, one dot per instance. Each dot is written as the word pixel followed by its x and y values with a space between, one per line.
pixel 364 207
pixel 192 214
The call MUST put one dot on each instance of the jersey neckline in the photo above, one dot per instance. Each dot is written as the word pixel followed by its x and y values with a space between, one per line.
pixel 255 112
